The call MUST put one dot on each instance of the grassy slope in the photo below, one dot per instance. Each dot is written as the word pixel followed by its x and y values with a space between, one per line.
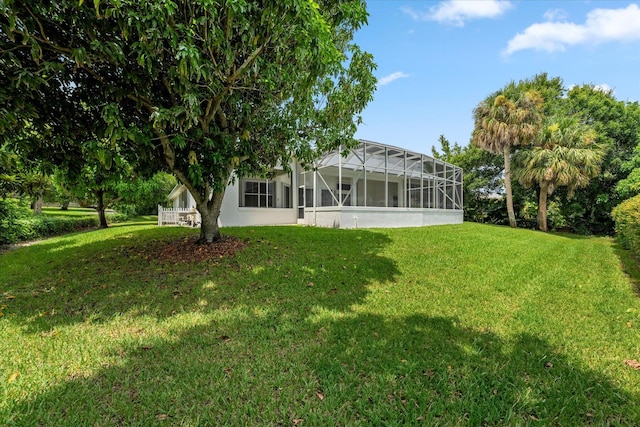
pixel 446 325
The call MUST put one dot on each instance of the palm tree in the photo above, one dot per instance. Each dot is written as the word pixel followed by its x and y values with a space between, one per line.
pixel 564 154
pixel 503 120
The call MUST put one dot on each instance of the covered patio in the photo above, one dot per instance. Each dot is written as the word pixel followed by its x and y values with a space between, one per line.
pixel 377 185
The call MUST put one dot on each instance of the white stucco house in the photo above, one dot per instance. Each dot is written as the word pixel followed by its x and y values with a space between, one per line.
pixel 374 185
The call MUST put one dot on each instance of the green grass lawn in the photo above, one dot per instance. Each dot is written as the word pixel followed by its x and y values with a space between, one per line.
pixel 447 325
pixel 56 211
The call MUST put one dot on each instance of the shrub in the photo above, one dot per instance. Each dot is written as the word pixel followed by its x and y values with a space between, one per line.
pixel 118 217
pixel 17 223
pixel 627 223
pixel 12 216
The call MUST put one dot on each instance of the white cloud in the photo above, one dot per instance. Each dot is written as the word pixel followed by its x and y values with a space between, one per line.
pixel 456 12
pixel 605 88
pixel 602 25
pixel 392 77
pixel 555 15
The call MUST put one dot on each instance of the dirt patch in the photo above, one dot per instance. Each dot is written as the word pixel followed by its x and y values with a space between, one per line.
pixel 187 249
pixel 7 247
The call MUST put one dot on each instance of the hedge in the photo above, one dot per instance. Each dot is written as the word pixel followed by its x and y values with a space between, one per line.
pixel 17 223
pixel 627 224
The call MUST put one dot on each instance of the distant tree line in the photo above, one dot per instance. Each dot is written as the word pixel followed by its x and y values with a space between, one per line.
pixel 549 157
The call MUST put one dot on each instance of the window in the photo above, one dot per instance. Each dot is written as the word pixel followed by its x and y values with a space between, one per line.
pixel 183 201
pixel 344 192
pixel 286 196
pixel 413 193
pixel 258 194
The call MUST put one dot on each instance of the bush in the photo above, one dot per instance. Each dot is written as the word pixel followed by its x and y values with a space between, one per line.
pixel 12 215
pixel 17 223
pixel 118 217
pixel 627 224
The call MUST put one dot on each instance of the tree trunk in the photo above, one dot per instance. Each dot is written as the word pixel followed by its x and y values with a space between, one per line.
pixel 102 218
pixel 37 204
pixel 507 185
pixel 65 206
pixel 209 213
pixel 542 206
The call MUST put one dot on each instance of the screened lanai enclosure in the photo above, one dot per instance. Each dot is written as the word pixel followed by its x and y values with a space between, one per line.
pixel 372 185
pixel 376 185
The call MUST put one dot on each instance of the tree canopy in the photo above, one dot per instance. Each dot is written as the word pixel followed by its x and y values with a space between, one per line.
pixel 506 119
pixel 209 90
pixel 611 140
pixel 563 154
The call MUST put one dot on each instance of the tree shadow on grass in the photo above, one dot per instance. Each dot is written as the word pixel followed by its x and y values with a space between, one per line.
pixel 431 370
pixel 348 369
pixel 271 337
pixel 630 265
pixel 70 281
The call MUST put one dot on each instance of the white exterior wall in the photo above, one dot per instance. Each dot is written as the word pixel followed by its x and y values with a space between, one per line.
pixel 231 214
pixel 363 217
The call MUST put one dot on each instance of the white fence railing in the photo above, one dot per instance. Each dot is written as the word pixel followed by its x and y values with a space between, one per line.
pixel 178 216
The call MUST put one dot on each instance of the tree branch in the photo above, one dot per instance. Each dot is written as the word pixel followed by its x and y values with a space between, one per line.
pixel 248 62
pixel 44 38
pixel 167 86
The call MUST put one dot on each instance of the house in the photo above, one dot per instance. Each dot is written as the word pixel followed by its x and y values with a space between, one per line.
pixel 374 185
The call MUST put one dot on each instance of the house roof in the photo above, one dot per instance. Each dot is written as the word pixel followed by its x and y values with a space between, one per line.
pixel 377 157
pixel 175 193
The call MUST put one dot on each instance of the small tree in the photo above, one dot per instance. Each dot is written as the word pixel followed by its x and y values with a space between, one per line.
pixel 214 90
pixel 505 119
pixel 141 196
pixel 564 154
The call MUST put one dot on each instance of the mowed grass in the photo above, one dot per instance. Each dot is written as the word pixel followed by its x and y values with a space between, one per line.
pixel 447 325
pixel 73 212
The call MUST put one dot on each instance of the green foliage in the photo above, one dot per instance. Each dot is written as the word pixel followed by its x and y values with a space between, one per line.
pixel 204 88
pixel 617 131
pixel 12 211
pixel 550 89
pixel 630 186
pixel 555 217
pixel 9 181
pixel 627 224
pixel 17 223
pixel 562 155
pixel 142 196
pixel 617 126
pixel 120 217
pixel 504 120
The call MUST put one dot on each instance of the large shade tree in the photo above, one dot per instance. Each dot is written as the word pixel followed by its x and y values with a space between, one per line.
pixel 617 124
pixel 564 154
pixel 212 90
pixel 506 119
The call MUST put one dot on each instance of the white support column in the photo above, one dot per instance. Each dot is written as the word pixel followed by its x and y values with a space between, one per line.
pixel 386 177
pixel 406 203
pixel 339 176
pixel 315 194
pixel 421 181
pixel 364 169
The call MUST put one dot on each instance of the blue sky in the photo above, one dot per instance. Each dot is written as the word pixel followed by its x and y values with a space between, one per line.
pixel 438 59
